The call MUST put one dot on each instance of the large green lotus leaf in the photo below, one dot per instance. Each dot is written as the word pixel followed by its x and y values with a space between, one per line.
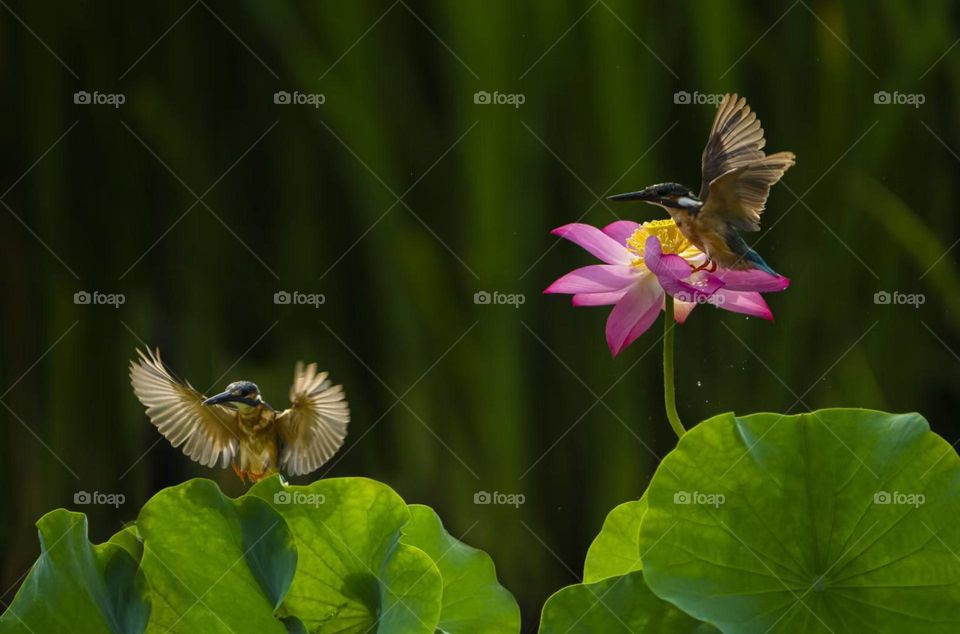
pixel 616 604
pixel 354 574
pixel 214 564
pixel 616 550
pixel 77 587
pixel 473 601
pixel 832 521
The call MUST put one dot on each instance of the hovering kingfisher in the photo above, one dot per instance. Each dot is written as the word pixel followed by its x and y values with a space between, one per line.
pixel 737 177
pixel 239 428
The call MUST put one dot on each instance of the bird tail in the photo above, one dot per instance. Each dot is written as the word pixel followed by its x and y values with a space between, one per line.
pixel 758 262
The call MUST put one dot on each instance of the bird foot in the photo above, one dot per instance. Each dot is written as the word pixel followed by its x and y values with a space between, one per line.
pixel 240 474
pixel 708 263
pixel 256 476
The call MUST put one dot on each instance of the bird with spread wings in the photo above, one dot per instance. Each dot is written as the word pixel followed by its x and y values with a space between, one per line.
pixel 737 177
pixel 238 428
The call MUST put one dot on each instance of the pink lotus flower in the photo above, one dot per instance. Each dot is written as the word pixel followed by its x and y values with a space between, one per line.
pixel 642 261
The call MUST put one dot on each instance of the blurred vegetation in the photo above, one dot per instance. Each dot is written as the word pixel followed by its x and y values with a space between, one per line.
pixel 491 398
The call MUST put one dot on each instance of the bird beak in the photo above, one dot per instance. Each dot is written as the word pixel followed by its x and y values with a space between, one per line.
pixel 643 195
pixel 223 397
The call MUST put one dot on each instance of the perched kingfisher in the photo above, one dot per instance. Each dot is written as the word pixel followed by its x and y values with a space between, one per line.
pixel 737 177
pixel 239 428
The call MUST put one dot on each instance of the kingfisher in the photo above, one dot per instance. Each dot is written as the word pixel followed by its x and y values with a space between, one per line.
pixel 737 177
pixel 238 428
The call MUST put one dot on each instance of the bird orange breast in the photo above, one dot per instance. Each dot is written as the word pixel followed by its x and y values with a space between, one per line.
pixel 687 224
pixel 258 453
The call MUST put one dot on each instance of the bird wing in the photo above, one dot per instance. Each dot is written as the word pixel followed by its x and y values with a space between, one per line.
pixel 315 425
pixel 737 175
pixel 208 434
pixel 736 139
pixel 739 196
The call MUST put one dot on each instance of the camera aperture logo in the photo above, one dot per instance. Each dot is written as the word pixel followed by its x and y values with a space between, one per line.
pixel 699 498
pixel 101 499
pixel 496 498
pixel 300 498
pixel 696 98
pixel 896 298
pixel 297 98
pixel 296 298
pixel 96 298
pixel 496 298
pixel 884 498
pixel 896 98
pixel 96 98
pixel 497 98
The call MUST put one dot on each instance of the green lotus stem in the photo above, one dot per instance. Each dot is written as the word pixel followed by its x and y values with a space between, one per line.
pixel 669 391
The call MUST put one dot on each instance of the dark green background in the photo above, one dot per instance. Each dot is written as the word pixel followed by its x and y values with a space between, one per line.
pixel 493 398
